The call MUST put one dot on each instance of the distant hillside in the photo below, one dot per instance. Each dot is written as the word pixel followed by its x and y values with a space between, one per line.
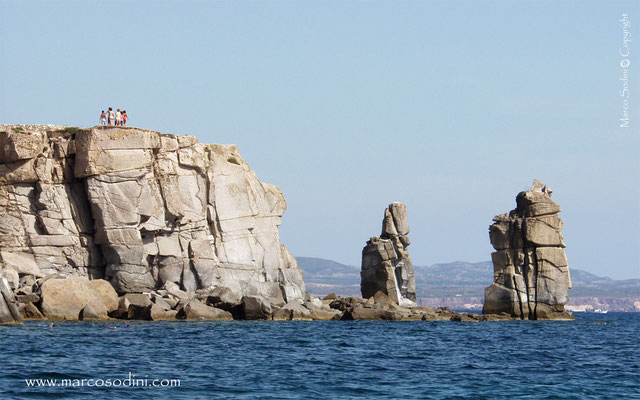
pixel 322 277
pixel 461 283
pixel 455 279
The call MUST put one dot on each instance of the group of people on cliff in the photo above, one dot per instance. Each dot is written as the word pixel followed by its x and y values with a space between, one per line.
pixel 118 118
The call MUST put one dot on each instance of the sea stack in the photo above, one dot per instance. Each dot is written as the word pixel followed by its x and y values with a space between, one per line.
pixel 531 273
pixel 386 265
pixel 142 209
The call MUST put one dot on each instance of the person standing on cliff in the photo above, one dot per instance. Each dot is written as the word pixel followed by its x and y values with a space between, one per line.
pixel 124 117
pixel 118 117
pixel 112 116
pixel 103 118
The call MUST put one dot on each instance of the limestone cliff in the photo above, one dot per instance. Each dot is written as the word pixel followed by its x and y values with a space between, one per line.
pixel 140 209
pixel 531 273
pixel 386 265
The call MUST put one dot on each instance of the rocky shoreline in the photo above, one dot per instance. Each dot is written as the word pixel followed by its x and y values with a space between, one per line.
pixel 79 299
pixel 125 223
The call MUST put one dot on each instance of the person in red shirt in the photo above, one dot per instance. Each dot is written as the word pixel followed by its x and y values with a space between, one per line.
pixel 124 117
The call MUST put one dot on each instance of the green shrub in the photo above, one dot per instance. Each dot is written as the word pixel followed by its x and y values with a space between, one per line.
pixel 70 130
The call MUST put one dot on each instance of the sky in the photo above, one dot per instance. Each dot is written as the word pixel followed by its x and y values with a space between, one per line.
pixel 452 107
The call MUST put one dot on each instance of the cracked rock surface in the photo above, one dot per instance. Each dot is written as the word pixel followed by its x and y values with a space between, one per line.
pixel 531 273
pixel 386 265
pixel 141 209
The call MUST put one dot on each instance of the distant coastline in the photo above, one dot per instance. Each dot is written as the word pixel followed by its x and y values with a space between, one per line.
pixel 460 285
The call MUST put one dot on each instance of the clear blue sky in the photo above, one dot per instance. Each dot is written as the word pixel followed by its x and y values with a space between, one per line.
pixel 449 107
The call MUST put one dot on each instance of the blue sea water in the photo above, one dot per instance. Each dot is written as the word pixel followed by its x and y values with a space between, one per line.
pixel 327 360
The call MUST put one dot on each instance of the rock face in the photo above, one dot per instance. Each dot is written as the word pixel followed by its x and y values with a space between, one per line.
pixel 386 265
pixel 531 273
pixel 66 298
pixel 9 312
pixel 196 310
pixel 141 209
pixel 107 294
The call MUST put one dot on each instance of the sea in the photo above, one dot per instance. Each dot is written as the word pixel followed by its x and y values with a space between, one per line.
pixel 596 356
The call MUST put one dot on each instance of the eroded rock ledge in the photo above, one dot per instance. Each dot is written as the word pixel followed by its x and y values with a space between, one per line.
pixel 140 209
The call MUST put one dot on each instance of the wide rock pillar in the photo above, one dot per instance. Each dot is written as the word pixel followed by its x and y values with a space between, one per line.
pixel 531 272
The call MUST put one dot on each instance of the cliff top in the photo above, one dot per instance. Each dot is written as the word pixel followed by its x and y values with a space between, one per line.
pixel 46 128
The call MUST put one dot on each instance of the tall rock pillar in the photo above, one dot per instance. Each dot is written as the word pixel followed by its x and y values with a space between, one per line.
pixel 386 265
pixel 531 273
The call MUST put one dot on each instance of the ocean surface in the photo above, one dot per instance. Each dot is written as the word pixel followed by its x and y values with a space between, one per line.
pixel 324 360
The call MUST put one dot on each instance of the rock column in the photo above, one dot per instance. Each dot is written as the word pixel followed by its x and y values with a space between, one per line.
pixel 386 265
pixel 531 273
